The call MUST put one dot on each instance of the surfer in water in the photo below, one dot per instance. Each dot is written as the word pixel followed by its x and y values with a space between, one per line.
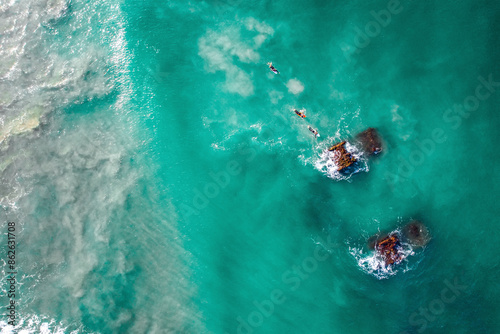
pixel 315 132
pixel 272 68
pixel 300 113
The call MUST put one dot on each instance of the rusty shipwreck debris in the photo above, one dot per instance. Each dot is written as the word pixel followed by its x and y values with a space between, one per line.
pixel 394 247
pixel 342 158
pixel 390 248
pixel 351 155
pixel 370 141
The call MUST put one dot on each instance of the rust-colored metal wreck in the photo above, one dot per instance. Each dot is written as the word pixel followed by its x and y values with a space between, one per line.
pixel 389 248
pixel 342 158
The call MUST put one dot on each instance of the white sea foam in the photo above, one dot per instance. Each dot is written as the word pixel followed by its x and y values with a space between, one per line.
pixel 36 324
pixel 404 121
pixel 276 96
pixel 223 50
pixel 35 76
pixel 295 86
pixel 71 188
pixel 374 264
pixel 325 164
pixel 253 24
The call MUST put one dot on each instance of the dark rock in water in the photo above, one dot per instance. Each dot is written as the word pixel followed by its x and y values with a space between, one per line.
pixel 342 158
pixel 416 234
pixel 370 141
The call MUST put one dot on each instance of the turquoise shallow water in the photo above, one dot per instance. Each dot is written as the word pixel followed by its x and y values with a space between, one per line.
pixel 160 182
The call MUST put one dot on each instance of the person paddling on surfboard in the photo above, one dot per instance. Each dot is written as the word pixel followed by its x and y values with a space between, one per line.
pixel 315 132
pixel 272 68
pixel 300 113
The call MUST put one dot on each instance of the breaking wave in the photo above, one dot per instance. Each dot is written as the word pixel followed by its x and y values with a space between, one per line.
pixel 39 69
pixel 75 177
pixel 325 163
pixel 374 264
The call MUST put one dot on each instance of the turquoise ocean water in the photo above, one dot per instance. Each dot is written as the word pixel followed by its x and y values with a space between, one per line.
pixel 160 182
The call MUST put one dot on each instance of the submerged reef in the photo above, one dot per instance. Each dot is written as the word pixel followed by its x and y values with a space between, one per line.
pixel 416 234
pixel 370 141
